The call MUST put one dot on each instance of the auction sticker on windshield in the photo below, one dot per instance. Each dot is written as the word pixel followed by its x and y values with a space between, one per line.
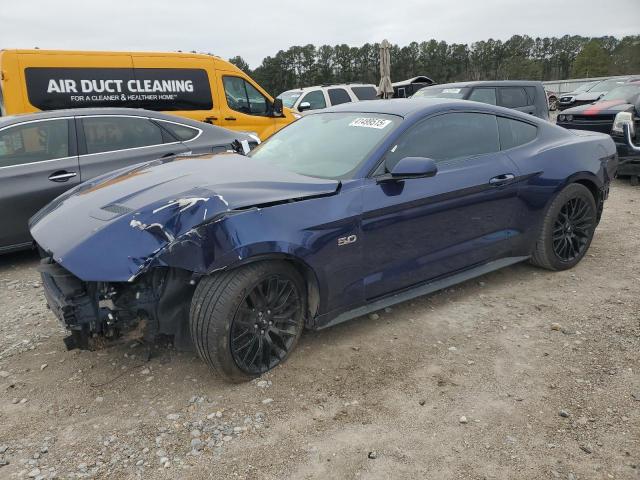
pixel 451 90
pixel 378 123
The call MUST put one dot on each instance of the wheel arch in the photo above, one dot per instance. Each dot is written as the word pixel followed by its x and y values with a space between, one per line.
pixel 308 274
pixel 590 182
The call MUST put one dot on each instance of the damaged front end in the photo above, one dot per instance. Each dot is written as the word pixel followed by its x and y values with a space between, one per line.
pixel 122 255
pixel 157 302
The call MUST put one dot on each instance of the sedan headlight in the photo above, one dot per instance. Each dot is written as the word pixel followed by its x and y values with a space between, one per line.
pixel 561 118
pixel 620 120
pixel 568 118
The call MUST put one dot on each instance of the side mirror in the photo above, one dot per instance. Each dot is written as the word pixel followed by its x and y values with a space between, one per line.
pixel 304 106
pixel 278 108
pixel 413 167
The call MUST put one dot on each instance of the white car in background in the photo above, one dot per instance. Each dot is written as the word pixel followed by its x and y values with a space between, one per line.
pixel 323 96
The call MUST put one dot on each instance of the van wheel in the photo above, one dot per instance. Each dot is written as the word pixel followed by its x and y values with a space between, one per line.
pixel 567 229
pixel 247 321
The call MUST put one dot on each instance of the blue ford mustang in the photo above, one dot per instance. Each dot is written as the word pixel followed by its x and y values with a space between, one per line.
pixel 343 212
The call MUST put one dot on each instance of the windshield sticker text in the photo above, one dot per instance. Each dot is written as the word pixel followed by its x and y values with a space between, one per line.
pixel 378 123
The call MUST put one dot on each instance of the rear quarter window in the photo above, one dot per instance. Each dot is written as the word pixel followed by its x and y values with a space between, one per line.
pixel 365 93
pixel 183 133
pixel 514 133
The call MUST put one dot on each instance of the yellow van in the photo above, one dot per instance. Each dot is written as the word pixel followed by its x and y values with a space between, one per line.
pixel 201 87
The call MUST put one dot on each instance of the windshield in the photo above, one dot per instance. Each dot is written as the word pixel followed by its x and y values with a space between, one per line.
pixel 606 85
pixel 327 145
pixel 628 93
pixel 441 92
pixel 585 87
pixel 289 98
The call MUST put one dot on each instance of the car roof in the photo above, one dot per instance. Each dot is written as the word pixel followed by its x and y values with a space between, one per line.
pixel 338 85
pixel 399 106
pixel 489 83
pixel 405 107
pixel 79 112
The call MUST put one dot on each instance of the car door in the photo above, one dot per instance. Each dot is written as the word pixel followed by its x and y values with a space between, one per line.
pixel 38 162
pixel 516 98
pixel 423 228
pixel 246 109
pixel 110 142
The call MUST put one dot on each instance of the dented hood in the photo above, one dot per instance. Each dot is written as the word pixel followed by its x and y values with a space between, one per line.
pixel 108 229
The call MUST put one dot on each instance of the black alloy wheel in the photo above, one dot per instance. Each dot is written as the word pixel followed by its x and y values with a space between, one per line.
pixel 567 228
pixel 266 325
pixel 573 229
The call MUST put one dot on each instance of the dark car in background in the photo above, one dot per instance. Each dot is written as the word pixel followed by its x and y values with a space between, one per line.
pixel 44 154
pixel 590 92
pixel 607 115
pixel 344 212
pixel 524 96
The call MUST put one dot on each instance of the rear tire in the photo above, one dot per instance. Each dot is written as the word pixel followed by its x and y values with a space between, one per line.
pixel 567 229
pixel 634 180
pixel 246 321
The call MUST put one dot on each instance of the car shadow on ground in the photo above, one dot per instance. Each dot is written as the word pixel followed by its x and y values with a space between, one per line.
pixel 21 259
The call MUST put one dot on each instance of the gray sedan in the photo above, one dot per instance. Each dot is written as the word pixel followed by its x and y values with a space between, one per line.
pixel 44 154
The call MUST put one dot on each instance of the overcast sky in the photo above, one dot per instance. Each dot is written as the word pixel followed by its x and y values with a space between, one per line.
pixel 255 29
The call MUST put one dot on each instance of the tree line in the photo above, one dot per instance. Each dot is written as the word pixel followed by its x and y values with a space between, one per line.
pixel 520 57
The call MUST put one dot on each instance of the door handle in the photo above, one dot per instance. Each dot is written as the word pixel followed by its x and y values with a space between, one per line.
pixel 61 176
pixel 230 118
pixel 501 179
pixel 211 120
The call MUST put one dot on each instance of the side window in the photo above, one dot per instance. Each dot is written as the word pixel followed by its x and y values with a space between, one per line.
pixel 513 97
pixel 448 136
pixel 338 96
pixel 181 132
pixel 365 93
pixel 244 97
pixel 257 102
pixel 515 132
pixel 106 134
pixel 315 99
pixel 484 95
pixel 34 142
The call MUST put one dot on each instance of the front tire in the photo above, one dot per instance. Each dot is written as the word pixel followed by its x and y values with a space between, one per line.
pixel 247 321
pixel 567 229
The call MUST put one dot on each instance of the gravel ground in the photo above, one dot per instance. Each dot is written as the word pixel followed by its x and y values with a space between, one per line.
pixel 521 374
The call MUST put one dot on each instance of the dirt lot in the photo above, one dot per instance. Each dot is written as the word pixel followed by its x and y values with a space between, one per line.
pixel 520 374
